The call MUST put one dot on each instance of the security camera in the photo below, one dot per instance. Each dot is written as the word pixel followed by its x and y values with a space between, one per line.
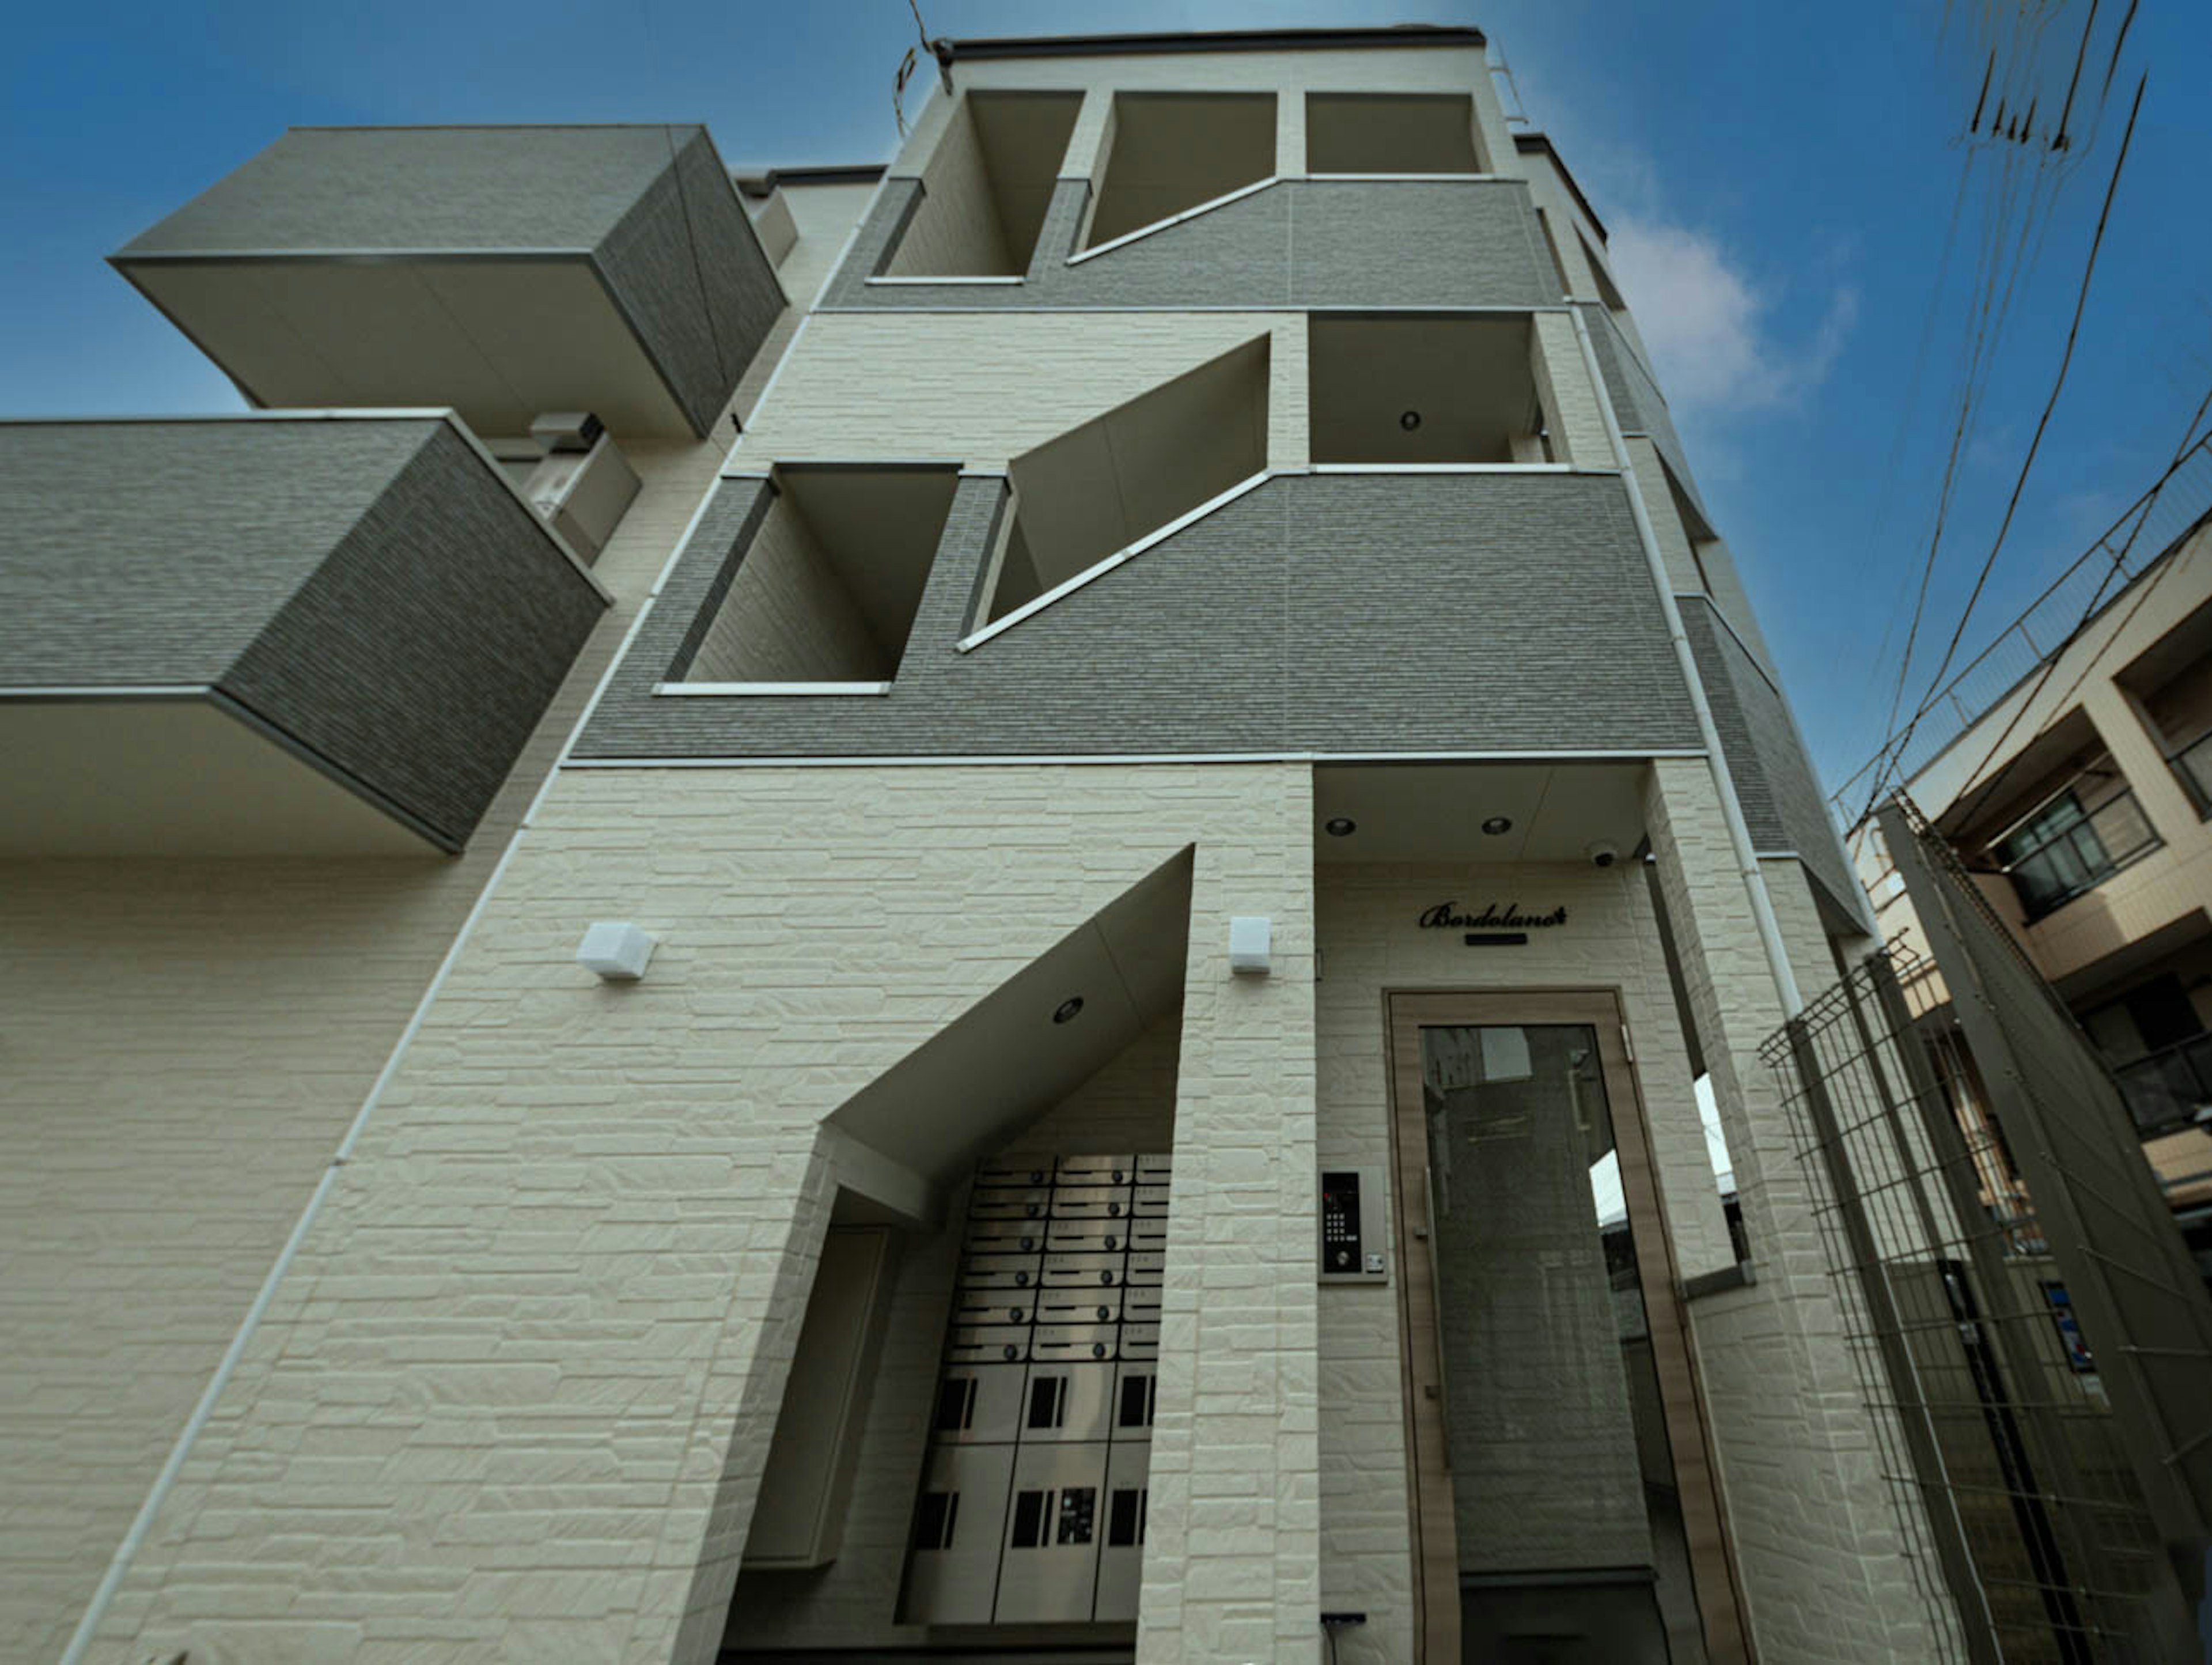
pixel 1602 854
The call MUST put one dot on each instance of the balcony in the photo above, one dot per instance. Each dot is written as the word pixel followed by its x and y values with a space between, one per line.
pixel 503 272
pixel 273 635
pixel 2074 843
pixel 2171 1088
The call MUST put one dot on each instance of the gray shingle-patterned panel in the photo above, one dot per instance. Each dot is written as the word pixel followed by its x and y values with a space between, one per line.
pixel 1636 398
pixel 415 189
pixel 1326 612
pixel 696 589
pixel 1782 805
pixel 141 554
pixel 419 656
pixel 656 259
pixel 1296 243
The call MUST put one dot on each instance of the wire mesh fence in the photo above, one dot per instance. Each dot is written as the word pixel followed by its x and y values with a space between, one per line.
pixel 2014 1496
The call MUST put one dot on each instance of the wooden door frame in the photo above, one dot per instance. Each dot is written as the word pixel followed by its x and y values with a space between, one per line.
pixel 1435 1535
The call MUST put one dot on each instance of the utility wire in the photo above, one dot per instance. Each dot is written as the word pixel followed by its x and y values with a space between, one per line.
pixel 1895 750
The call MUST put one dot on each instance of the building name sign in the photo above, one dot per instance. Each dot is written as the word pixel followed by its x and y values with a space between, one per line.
pixel 1446 916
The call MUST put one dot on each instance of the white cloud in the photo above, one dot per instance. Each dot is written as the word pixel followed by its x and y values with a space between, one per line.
pixel 1708 324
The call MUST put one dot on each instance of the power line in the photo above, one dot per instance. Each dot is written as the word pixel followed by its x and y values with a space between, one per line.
pixel 1896 747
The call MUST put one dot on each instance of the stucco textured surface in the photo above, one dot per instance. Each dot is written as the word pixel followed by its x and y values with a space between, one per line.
pixel 1322 612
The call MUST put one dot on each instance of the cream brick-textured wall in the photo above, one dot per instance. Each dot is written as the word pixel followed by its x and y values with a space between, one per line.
pixel 182 1045
pixel 983 389
pixel 500 1402
pixel 957 228
pixel 1814 1523
pixel 788 617
pixel 1571 397
pixel 1369 943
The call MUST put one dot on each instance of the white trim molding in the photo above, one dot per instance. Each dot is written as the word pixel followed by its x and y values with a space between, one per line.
pixel 769 688
pixel 974 639
pixel 1129 237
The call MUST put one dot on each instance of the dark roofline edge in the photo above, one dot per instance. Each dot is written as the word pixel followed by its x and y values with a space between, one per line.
pixel 1215 40
pixel 1543 142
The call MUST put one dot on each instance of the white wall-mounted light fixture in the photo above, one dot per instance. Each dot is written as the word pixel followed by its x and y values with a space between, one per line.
pixel 616 951
pixel 1247 946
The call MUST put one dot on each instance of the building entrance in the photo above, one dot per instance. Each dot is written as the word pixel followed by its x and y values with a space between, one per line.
pixel 1565 1508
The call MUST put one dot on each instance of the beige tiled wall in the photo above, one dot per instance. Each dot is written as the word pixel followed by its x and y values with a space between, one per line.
pixel 500 1402
pixel 182 1045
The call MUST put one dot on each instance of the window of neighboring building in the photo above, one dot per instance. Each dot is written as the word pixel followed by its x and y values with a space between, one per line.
pixel 1412 388
pixel 1168 153
pixel 827 591
pixel 2074 842
pixel 1391 133
pixel 987 187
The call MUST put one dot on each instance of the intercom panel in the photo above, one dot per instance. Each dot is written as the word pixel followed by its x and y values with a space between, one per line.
pixel 1352 1249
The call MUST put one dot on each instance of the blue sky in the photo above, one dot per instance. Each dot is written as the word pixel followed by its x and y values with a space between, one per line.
pixel 1780 186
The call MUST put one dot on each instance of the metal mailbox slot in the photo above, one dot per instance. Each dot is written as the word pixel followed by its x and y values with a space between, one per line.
pixel 1145 1267
pixel 1006 1236
pixel 1001 1272
pixel 978 1344
pixel 1063 1403
pixel 1081 1306
pixel 1074 1340
pixel 1136 1400
pixel 978 1404
pixel 1149 1201
pixel 987 1305
pixel 1097 1170
pixel 1091 1202
pixel 1035 1171
pixel 1141 1340
pixel 1121 1548
pixel 1148 1166
pixel 1140 1303
pixel 1064 1236
pixel 1055 1524
pixel 1012 1203
pixel 1095 1271
pixel 953 1572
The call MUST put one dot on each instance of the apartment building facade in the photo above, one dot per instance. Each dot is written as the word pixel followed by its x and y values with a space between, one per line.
pixel 2067 766
pixel 966 906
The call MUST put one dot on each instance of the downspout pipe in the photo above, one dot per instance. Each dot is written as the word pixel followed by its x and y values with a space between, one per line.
pixel 1746 858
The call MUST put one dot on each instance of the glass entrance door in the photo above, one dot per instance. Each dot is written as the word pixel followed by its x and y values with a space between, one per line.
pixel 1559 1451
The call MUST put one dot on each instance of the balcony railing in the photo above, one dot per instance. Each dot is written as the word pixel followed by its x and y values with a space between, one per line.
pixel 2192 764
pixel 2079 857
pixel 2171 1088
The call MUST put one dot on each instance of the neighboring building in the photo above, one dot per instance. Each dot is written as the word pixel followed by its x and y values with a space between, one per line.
pixel 2069 766
pixel 1192 799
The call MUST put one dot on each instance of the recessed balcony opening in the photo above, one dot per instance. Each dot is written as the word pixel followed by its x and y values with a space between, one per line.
pixel 1391 133
pixel 1414 390
pixel 1105 487
pixel 2171 683
pixel 987 186
pixel 827 591
pixel 2069 822
pixel 1168 153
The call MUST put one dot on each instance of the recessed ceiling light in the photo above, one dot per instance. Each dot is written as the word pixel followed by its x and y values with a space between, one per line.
pixel 1339 826
pixel 1497 824
pixel 1409 420
pixel 1067 1009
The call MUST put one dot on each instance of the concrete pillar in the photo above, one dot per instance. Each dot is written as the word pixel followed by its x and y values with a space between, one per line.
pixel 2126 733
pixel 1813 1524
pixel 1232 1556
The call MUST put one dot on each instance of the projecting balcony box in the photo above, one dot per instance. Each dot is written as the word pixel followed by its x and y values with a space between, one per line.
pixel 278 635
pixel 504 271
